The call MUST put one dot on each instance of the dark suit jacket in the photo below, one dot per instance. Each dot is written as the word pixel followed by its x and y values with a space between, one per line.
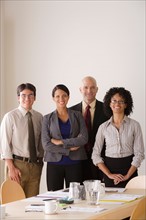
pixel 99 118
pixel 78 137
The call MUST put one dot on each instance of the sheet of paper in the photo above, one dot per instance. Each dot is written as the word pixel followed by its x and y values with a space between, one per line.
pixel 35 199
pixel 114 189
pixel 54 194
pixel 49 195
pixel 34 208
pixel 120 197
pixel 83 209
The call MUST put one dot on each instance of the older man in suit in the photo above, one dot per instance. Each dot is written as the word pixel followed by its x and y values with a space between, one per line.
pixel 89 90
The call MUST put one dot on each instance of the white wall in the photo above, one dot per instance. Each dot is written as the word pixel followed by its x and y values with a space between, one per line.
pixel 51 42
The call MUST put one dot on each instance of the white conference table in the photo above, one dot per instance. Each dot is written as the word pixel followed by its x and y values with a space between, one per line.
pixel 16 210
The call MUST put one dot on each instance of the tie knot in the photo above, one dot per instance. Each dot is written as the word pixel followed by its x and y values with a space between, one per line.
pixel 29 114
pixel 88 107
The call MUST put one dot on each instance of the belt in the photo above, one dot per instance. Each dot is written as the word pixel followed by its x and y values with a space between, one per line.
pixel 26 159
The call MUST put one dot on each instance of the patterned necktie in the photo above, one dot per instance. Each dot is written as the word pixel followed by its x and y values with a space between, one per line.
pixel 87 117
pixel 31 139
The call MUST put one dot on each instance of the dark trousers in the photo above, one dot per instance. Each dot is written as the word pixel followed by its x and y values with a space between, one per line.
pixel 90 171
pixel 57 174
pixel 118 165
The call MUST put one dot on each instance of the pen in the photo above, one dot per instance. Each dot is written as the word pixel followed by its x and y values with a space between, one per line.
pixel 49 199
pixel 67 207
pixel 102 210
pixel 37 204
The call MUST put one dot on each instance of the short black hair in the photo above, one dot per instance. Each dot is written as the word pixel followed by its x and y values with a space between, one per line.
pixel 23 86
pixel 125 94
pixel 62 87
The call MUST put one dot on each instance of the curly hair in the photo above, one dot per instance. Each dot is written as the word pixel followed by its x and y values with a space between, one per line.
pixel 125 94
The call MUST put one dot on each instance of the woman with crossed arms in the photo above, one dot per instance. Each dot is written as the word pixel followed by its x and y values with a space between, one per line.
pixel 64 135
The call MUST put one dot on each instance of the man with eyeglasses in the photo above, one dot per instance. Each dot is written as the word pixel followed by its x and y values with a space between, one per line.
pixel 15 144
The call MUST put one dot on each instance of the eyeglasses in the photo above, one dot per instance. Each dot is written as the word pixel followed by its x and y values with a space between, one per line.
pixel 29 96
pixel 121 102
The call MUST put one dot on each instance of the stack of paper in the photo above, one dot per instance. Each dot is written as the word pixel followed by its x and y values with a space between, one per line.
pixel 120 198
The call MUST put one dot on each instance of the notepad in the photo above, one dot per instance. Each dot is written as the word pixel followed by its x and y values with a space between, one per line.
pixel 120 198
pixel 34 208
pixel 83 209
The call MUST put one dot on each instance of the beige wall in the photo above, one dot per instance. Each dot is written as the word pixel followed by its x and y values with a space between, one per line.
pixel 51 42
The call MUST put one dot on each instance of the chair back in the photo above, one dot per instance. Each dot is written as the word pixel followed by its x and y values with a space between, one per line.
pixel 11 191
pixel 138 182
pixel 139 212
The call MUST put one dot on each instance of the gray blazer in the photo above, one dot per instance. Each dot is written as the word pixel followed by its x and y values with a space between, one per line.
pixel 78 137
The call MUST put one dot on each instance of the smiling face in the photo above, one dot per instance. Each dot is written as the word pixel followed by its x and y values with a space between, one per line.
pixel 118 104
pixel 88 89
pixel 60 98
pixel 26 99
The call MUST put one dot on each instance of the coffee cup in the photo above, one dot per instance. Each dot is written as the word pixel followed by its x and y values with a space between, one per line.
pixel 2 211
pixel 51 207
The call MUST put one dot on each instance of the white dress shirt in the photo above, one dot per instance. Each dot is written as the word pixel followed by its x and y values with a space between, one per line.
pixel 14 133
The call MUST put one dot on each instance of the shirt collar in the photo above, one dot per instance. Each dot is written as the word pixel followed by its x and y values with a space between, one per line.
pixel 125 119
pixel 24 111
pixel 92 104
